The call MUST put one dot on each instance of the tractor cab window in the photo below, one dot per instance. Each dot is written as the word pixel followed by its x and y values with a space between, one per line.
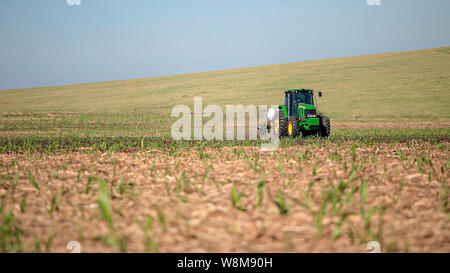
pixel 295 99
pixel 306 98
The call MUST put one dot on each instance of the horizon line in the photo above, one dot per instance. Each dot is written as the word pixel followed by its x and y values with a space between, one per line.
pixel 220 70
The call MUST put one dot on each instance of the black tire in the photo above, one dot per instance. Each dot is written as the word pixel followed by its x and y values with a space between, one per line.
pixel 295 127
pixel 325 127
pixel 282 124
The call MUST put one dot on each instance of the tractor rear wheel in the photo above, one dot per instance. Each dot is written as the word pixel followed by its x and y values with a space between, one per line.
pixel 324 127
pixel 281 124
pixel 293 127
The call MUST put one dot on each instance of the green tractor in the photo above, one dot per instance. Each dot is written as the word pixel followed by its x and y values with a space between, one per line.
pixel 298 116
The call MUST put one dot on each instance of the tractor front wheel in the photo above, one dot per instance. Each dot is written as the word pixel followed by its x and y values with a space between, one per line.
pixel 281 124
pixel 293 127
pixel 324 127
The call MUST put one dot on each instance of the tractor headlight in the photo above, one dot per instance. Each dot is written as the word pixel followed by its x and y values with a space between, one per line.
pixel 271 114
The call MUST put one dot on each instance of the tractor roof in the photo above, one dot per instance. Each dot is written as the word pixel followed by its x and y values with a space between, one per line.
pixel 298 90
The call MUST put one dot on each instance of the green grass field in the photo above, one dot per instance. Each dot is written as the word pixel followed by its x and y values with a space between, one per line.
pixel 382 98
pixel 408 84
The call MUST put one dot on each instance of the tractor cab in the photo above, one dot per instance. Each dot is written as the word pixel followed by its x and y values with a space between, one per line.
pixel 293 98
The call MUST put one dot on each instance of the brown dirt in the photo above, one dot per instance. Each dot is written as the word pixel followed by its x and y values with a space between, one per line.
pixel 197 210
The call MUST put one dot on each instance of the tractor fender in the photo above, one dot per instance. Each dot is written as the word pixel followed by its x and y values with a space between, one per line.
pixel 284 110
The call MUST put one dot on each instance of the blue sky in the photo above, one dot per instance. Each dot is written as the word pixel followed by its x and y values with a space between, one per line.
pixel 48 42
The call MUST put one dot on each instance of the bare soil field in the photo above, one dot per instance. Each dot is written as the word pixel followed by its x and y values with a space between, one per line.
pixel 320 197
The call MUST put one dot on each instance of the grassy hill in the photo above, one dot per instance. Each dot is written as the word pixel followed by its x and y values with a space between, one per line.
pixel 402 84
